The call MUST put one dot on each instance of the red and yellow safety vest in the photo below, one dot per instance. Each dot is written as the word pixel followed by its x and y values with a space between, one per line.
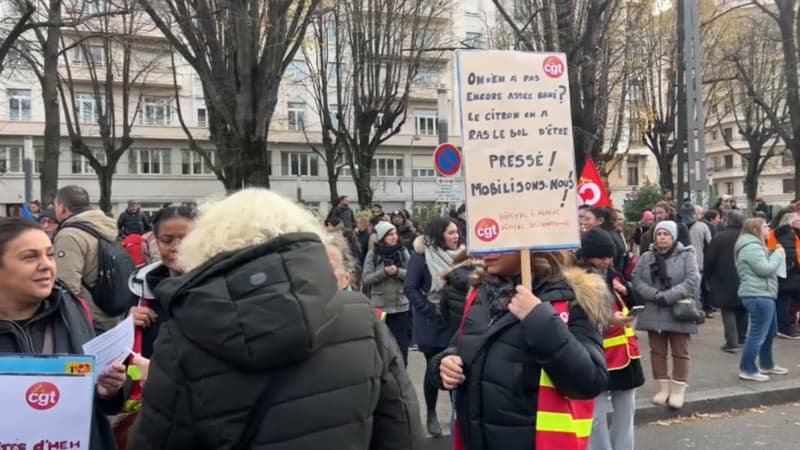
pixel 620 343
pixel 561 423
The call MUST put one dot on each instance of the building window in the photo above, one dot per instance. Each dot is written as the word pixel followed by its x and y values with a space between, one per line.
pixel 474 40
pixel 297 115
pixel 729 188
pixel 299 164
pixel 425 123
pixel 745 162
pixel 387 166
pixel 788 185
pixel 81 166
pixel 19 104
pixel 38 159
pixel 200 112
pixel 714 135
pixel 156 111
pixel 728 161
pixel 93 6
pixel 88 108
pixel 424 173
pixel 633 173
pixel 296 71
pixel 786 159
pixel 716 164
pixel 727 133
pixel 427 77
pixel 472 6
pixel 194 164
pixel 333 116
pixel 89 55
pixel 149 161
pixel 10 159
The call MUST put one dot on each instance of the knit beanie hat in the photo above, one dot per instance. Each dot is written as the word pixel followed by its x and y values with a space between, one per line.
pixel 669 226
pixel 598 244
pixel 382 229
pixel 648 216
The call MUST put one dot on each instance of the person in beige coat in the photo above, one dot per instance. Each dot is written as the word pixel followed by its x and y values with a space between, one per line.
pixel 76 250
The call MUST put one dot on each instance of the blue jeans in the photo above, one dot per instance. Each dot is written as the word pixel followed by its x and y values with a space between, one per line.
pixel 763 326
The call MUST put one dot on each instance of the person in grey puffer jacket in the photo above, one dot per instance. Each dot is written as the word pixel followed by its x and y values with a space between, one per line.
pixel 384 274
pixel 663 276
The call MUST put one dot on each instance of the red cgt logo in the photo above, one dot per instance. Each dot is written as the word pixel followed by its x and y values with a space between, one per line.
pixel 42 396
pixel 487 229
pixel 553 67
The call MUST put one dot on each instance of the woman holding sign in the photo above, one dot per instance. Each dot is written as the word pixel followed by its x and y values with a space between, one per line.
pixel 523 358
pixel 39 315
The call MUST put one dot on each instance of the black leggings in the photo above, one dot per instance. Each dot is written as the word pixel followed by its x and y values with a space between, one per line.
pixel 398 325
pixel 431 391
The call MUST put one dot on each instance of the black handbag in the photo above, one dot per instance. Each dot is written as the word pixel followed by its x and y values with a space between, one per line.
pixel 686 310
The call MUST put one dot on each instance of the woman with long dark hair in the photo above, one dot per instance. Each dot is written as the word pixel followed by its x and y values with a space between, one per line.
pixel 424 287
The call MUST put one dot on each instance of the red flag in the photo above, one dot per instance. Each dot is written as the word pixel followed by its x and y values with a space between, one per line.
pixel 591 190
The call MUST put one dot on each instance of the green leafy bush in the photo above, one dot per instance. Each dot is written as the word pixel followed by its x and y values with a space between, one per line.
pixel 641 200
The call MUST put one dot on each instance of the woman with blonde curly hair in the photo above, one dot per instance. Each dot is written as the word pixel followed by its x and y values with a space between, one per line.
pixel 263 351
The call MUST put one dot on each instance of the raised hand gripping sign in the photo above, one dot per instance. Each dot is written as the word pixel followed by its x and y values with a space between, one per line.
pixel 519 165
pixel 47 402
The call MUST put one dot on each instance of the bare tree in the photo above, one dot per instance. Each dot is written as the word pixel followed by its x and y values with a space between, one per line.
pixel 785 14
pixel 579 28
pixel 108 54
pixel 751 63
pixel 239 50
pixel 364 78
pixel 13 24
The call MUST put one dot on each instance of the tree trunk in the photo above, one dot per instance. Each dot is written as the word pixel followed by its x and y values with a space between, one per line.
pixel 333 181
pixel 255 171
pixel 105 177
pixel 48 176
pixel 362 182
pixel 796 153
pixel 750 190
pixel 665 175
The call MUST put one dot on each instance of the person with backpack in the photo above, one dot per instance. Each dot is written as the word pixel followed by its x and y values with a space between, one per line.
pixel 90 260
pixel 132 221
pixel 40 315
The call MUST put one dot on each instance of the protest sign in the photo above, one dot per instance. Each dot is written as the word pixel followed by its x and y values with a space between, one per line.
pixel 519 166
pixel 47 400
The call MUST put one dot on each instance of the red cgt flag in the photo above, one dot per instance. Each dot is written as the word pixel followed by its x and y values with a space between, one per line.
pixel 591 190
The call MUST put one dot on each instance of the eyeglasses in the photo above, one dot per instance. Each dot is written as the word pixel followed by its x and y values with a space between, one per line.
pixel 169 241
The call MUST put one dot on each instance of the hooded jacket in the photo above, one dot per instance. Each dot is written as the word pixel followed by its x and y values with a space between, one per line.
pixel 76 257
pixel 685 283
pixel 71 329
pixel 270 317
pixel 497 403
pixel 757 268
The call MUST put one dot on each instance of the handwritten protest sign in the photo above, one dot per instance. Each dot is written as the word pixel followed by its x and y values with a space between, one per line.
pixel 519 166
pixel 47 402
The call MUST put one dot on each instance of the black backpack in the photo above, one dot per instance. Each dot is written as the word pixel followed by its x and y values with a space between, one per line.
pixel 114 266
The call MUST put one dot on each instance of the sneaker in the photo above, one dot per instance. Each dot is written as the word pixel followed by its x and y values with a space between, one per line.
pixel 753 377
pixel 790 335
pixel 727 349
pixel 776 370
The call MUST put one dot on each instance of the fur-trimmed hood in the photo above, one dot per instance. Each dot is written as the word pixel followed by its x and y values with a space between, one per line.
pixel 590 292
pixel 420 245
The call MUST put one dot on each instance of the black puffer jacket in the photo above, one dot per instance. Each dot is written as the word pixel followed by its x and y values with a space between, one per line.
pixel 71 329
pixel 787 237
pixel 498 402
pixel 454 295
pixel 719 269
pixel 270 317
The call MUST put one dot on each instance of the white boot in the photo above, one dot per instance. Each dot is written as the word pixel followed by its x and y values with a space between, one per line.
pixel 676 394
pixel 663 392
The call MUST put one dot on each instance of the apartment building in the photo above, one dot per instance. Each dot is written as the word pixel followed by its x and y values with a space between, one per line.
pixel 159 169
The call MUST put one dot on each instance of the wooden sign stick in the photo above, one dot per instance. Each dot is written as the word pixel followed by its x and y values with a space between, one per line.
pixel 527 273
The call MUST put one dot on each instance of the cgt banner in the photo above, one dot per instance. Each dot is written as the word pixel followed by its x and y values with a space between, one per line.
pixel 47 400
pixel 519 166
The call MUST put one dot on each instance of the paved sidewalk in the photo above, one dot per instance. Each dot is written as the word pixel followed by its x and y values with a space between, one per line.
pixel 714 382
